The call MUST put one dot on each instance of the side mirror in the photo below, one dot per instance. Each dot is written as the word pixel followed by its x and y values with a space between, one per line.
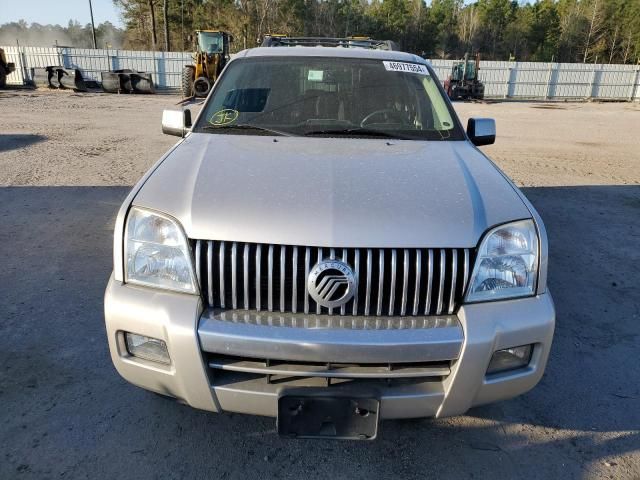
pixel 176 122
pixel 481 131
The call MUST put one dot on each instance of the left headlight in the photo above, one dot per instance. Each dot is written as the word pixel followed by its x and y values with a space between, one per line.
pixel 507 263
pixel 156 252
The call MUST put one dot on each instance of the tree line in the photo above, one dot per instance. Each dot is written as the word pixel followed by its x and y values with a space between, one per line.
pixel 598 31
pixel 73 35
pixel 602 31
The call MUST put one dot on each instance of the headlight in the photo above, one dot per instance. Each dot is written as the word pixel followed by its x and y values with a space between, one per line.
pixel 156 252
pixel 507 263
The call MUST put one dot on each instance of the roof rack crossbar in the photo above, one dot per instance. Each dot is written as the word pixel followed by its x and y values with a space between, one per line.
pixel 346 42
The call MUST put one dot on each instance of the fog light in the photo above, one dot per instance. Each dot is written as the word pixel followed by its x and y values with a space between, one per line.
pixel 148 348
pixel 510 359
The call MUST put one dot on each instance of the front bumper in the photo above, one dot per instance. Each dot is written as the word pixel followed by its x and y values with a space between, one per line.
pixel 464 343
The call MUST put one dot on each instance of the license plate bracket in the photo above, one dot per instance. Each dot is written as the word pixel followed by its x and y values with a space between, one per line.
pixel 320 416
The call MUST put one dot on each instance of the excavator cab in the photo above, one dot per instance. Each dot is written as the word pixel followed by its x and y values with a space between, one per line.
pixel 212 54
pixel 464 83
pixel 210 42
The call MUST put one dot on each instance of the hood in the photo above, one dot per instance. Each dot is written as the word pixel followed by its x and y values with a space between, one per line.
pixel 331 192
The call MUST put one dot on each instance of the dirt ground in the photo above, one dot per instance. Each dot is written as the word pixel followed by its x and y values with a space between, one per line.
pixel 98 139
pixel 67 161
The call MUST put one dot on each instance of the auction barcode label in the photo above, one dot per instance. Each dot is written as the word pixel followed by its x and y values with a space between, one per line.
pixel 406 67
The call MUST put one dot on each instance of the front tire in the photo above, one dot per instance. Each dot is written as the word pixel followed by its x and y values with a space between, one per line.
pixel 201 87
pixel 188 76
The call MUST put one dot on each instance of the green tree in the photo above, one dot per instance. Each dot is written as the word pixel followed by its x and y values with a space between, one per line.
pixel 541 30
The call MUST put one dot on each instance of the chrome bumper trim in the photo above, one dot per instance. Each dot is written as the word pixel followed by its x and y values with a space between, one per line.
pixel 441 342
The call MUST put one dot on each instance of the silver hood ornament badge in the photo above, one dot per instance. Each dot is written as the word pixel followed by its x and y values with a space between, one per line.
pixel 331 283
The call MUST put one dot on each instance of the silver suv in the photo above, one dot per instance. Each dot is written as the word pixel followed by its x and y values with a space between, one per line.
pixel 326 245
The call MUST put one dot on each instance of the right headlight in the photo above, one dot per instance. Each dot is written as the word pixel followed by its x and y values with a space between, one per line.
pixel 507 263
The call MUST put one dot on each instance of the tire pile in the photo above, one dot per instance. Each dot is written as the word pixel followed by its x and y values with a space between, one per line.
pixel 117 81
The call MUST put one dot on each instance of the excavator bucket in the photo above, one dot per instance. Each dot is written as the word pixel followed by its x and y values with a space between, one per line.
pixel 59 77
pixel 116 82
pixel 127 81
pixel 71 78
pixel 42 77
pixel 142 82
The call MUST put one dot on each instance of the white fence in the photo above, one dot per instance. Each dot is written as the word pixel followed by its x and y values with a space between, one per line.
pixel 166 67
pixel 559 81
pixel 509 80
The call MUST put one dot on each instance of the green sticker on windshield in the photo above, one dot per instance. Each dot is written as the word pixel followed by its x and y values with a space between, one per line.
pixel 315 75
pixel 224 117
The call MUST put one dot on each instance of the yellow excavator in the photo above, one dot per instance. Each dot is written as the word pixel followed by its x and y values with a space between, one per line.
pixel 211 55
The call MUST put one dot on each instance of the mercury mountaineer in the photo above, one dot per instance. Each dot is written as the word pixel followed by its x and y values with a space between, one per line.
pixel 327 245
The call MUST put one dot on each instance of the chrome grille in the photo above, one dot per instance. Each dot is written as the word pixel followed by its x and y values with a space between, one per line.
pixel 391 282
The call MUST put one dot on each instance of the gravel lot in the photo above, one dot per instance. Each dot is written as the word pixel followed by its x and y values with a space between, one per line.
pixel 67 161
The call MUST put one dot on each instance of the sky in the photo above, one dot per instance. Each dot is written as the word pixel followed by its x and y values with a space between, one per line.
pixel 58 11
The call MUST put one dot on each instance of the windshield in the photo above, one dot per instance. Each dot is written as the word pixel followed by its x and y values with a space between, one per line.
pixel 329 96
pixel 210 42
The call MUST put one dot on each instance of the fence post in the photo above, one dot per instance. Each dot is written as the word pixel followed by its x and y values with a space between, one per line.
pixel 547 94
pixel 155 69
pixel 593 84
pixel 507 82
pixel 634 85
pixel 20 62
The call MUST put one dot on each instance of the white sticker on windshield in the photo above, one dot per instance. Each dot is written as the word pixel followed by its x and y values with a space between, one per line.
pixel 315 75
pixel 406 67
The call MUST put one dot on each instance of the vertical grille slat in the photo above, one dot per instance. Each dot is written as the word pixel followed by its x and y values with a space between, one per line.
pixel 270 273
pixel 210 271
pixel 245 276
pixel 392 290
pixel 356 270
pixel 380 281
pixel 367 304
pixel 234 275
pixel 318 307
pixel 416 293
pixel 441 283
pixel 454 270
pixel 294 279
pixel 465 273
pixel 283 258
pixel 307 262
pixel 405 282
pixel 198 261
pixel 332 256
pixel 427 308
pixel 258 277
pixel 389 282
pixel 221 274
pixel 344 259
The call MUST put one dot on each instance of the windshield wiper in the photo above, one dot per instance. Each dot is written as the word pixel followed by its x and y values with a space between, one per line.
pixel 245 126
pixel 368 132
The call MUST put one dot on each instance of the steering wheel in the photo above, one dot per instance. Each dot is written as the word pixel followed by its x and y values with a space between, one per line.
pixel 366 119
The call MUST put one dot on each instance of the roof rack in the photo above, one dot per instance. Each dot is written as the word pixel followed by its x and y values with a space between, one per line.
pixel 275 40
